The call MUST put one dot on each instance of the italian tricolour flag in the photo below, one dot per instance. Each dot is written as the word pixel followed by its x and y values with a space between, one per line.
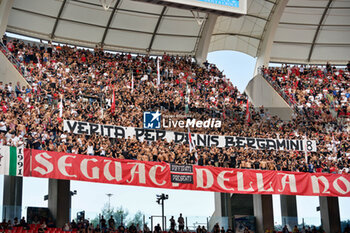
pixel 11 160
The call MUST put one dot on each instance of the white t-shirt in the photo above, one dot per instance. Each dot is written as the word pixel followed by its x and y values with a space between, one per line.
pixel 3 126
pixel 64 137
pixel 90 150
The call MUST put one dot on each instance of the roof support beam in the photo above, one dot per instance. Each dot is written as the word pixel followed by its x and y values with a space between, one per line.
pixel 309 43
pixel 57 19
pixel 265 45
pixel 109 22
pixel 156 29
pixel 270 2
pixel 5 8
pixel 318 29
pixel 320 7
pixel 237 34
pixel 315 25
pixel 202 46
pixel 256 16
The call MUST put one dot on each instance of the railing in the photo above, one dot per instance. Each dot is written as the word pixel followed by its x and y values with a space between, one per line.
pixel 291 102
pixel 11 58
pixel 278 88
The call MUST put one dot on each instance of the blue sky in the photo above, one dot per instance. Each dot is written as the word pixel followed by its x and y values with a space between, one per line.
pixel 199 205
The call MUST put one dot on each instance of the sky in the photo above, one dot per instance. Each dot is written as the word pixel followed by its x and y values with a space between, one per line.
pixel 196 205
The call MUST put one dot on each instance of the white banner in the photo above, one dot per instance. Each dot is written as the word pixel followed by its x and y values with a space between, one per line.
pixel 11 161
pixel 78 127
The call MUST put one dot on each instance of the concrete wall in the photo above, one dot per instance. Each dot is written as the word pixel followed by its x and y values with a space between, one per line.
pixel 8 73
pixel 242 204
pixel 261 93
pixel 12 197
pixel 5 7
pixel 222 213
pixel 59 201
pixel 330 216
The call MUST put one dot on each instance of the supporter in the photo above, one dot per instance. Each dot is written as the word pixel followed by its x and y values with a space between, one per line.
pixel 66 227
pixel 111 223
pixel 15 222
pixel 103 223
pixel 23 223
pixel 42 228
pixel 172 223
pixel 295 229
pixel 138 227
pixel 347 228
pixel 181 223
pixel 4 39
pixel 121 228
pixel 35 220
pixel 132 228
pixel 73 225
pixel 50 222
pixel 222 230
pixel 146 228
pixel 285 229
pixel 97 228
pixel 216 228
pixel 157 228
pixel 9 225
pixel 4 224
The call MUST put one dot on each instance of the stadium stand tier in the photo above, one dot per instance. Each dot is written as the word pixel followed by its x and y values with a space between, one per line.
pixel 85 80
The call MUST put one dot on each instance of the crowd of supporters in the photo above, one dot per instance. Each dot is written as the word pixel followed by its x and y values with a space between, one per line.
pixel 315 89
pixel 85 80
pixel 109 226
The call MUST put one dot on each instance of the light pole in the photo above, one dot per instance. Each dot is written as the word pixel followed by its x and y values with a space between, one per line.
pixel 160 201
pixel 109 201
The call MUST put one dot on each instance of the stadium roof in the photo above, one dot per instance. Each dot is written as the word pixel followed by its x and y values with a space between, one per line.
pixel 309 31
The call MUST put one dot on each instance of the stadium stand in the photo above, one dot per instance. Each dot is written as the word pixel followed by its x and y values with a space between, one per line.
pixel 320 89
pixel 86 81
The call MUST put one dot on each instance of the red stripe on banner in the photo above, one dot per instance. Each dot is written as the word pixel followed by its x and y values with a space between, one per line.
pixel 56 165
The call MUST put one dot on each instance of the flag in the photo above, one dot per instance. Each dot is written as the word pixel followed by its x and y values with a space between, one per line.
pixel 247 114
pixel 101 109
pixel 187 98
pixel 305 149
pixel 158 73
pixel 188 93
pixel 11 161
pixel 132 82
pixel 192 145
pixel 61 107
pixel 334 146
pixel 113 102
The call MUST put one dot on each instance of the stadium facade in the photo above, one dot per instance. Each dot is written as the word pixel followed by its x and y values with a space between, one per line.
pixel 294 31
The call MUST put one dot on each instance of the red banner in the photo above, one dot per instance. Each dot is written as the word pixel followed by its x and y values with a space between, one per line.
pixel 55 165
